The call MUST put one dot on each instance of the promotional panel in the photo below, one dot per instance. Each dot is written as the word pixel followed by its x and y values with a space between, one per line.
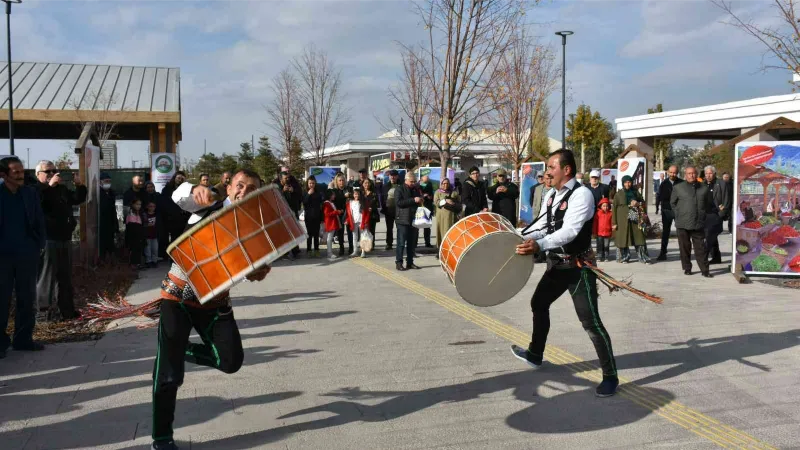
pixel 609 177
pixel 527 181
pixel 323 174
pixel 379 163
pixel 162 168
pixel 435 175
pixel 635 168
pixel 767 208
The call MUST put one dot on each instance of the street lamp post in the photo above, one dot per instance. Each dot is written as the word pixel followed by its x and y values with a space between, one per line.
pixel 564 35
pixel 10 88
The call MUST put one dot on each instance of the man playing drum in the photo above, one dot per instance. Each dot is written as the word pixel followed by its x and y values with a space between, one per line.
pixel 565 233
pixel 181 311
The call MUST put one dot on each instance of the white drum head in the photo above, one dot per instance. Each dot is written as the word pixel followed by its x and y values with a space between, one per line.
pixel 491 272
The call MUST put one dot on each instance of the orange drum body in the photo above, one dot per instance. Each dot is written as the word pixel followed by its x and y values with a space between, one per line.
pixel 478 254
pixel 230 244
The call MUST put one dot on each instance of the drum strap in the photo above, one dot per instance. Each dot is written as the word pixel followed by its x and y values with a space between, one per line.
pixel 548 213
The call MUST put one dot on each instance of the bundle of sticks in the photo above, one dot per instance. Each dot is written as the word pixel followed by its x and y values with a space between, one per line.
pixel 613 284
pixel 107 310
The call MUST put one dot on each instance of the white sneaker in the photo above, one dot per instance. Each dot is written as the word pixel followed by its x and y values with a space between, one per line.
pixel 354 254
pixel 363 254
pixel 332 257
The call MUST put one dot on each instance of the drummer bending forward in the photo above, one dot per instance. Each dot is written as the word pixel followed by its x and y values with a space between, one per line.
pixel 180 312
pixel 565 233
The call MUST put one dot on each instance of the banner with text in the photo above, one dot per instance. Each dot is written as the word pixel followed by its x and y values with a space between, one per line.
pixel 162 168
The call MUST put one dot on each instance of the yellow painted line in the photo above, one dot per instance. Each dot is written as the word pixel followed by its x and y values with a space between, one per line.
pixel 677 413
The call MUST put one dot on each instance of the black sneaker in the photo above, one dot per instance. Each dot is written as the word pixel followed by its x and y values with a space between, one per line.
pixel 608 387
pixel 164 445
pixel 524 355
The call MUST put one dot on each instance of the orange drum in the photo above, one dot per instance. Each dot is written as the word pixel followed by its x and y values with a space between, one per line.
pixel 478 254
pixel 230 244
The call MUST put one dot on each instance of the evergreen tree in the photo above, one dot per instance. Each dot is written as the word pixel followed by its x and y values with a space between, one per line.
pixel 294 159
pixel 227 163
pixel 265 162
pixel 245 156
pixel 208 163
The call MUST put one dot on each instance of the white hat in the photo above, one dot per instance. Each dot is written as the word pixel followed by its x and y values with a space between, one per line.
pixel 594 173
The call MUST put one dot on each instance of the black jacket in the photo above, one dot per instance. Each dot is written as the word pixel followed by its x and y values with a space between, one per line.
pixel 665 193
pixel 312 205
pixel 34 216
pixel 406 206
pixel 720 196
pixel 427 190
pixel 600 192
pixel 294 198
pixel 389 209
pixel 691 202
pixel 108 220
pixel 371 200
pixel 505 203
pixel 130 194
pixel 473 197
pixel 57 203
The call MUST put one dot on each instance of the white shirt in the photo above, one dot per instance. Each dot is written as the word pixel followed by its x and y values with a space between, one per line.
pixel 182 196
pixel 580 209
pixel 355 211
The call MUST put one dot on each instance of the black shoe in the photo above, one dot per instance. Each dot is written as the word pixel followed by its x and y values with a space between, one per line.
pixel 523 354
pixel 428 246
pixel 715 261
pixel 2 354
pixel 608 387
pixel 412 266
pixel 687 272
pixel 164 445
pixel 661 257
pixel 707 275
pixel 33 346
pixel 388 247
pixel 400 267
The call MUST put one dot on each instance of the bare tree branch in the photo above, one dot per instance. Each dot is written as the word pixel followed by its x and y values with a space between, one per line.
pixel 283 112
pixel 99 104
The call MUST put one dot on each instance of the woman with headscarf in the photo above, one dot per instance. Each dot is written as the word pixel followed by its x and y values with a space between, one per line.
pixel 176 218
pixel 628 233
pixel 448 207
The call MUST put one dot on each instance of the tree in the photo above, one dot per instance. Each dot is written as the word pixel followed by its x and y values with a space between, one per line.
pixel 465 40
pixel 102 107
pixel 208 163
pixel 526 77
pixel 582 127
pixel 540 146
pixel 604 136
pixel 411 96
pixel 781 41
pixel 294 159
pixel 227 163
pixel 265 162
pixel 283 113
pixel 245 156
pixel 65 161
pixel 322 112
pixel 662 147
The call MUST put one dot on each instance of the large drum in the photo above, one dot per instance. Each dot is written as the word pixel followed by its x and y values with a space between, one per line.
pixel 230 244
pixel 478 254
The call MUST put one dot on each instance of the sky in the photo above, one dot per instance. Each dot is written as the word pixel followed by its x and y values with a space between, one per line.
pixel 624 57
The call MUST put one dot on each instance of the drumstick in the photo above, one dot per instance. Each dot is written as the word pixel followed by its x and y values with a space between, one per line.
pixel 503 267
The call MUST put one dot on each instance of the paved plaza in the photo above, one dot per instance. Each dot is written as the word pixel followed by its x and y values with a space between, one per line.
pixel 355 355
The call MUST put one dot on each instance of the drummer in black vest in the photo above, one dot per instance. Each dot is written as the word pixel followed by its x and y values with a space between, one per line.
pixel 221 346
pixel 565 233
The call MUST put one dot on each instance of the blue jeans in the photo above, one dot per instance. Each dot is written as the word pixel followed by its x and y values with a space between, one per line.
pixel 18 274
pixel 406 237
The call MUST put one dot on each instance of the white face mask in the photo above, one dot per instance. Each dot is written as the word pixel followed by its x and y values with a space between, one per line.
pixel 106 186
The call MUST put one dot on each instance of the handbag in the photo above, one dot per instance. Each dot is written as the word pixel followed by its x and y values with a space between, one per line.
pixel 366 242
pixel 422 218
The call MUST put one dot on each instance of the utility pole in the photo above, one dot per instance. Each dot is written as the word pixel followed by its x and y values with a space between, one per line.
pixel 204 146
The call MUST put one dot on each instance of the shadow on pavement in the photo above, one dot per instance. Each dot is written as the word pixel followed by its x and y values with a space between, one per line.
pixel 289 297
pixel 700 353
pixel 574 410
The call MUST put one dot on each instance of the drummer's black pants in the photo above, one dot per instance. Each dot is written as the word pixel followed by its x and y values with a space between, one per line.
pixel 221 349
pixel 582 285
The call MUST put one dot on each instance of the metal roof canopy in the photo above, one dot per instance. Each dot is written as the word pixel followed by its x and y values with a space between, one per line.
pixel 52 100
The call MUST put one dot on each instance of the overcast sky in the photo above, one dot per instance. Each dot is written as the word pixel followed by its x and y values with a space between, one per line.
pixel 625 56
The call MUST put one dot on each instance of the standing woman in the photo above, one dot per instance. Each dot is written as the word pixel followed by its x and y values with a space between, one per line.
pixel 371 200
pixel 627 232
pixel 176 218
pixel 448 207
pixel 313 199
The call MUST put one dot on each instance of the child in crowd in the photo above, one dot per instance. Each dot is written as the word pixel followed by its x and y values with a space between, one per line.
pixel 151 235
pixel 357 218
pixel 134 234
pixel 332 218
pixel 602 229
pixel 312 212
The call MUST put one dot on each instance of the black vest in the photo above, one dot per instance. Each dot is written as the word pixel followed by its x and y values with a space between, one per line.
pixel 583 241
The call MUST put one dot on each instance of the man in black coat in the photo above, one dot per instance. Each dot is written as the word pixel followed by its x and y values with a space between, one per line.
pixel 474 194
pixel 389 205
pixel 22 238
pixel 136 191
pixel 722 199
pixel 55 277
pixel 407 199
pixel 108 222
pixel 293 194
pixel 599 190
pixel 504 195
pixel 667 215
pixel 726 178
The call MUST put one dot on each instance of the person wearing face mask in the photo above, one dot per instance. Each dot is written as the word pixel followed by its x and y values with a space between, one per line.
pixel 176 218
pixel 108 222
